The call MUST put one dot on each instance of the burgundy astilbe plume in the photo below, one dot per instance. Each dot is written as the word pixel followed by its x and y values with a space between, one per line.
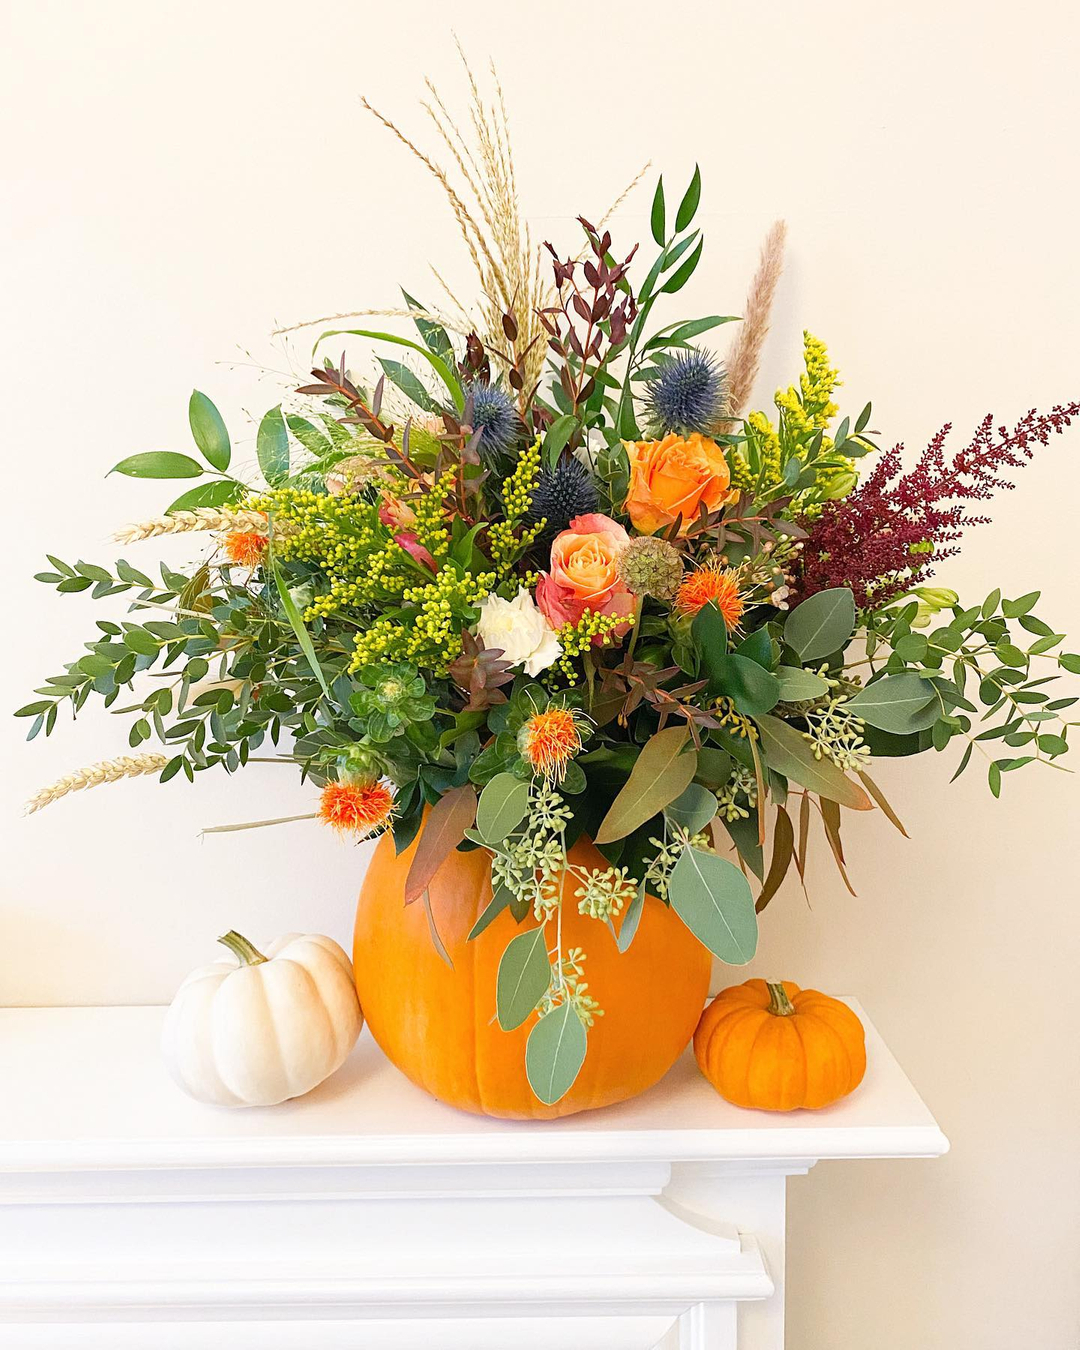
pixel 884 538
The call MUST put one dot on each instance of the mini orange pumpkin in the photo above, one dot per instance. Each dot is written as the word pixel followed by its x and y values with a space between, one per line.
pixel 777 1047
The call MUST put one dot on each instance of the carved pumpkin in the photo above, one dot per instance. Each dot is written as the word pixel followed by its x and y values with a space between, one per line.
pixel 777 1047
pixel 438 1026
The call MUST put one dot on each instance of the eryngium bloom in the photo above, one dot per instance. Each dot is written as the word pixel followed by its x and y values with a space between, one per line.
pixel 496 419
pixel 561 494
pixel 687 395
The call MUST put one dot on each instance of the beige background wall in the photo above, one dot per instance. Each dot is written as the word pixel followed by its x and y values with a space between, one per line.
pixel 179 177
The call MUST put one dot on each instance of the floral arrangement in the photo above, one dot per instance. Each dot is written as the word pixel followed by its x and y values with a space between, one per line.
pixel 548 576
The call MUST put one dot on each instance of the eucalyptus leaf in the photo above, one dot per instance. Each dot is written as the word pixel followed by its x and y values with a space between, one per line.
pixel 631 919
pixel 555 1052
pixel 661 772
pixel 692 809
pixel 713 899
pixel 797 684
pixel 900 703
pixel 502 807
pixel 822 624
pixel 523 978
pixel 790 754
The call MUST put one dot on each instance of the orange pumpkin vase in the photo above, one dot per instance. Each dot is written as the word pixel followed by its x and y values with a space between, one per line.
pixel 777 1047
pixel 438 1025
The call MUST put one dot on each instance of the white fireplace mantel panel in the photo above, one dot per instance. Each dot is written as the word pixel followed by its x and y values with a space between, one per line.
pixel 366 1214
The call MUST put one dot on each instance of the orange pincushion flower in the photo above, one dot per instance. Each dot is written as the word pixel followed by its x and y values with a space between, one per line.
pixel 246 549
pixel 359 807
pixel 711 583
pixel 549 740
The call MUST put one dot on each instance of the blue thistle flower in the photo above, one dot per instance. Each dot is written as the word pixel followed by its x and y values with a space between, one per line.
pixel 687 395
pixel 496 419
pixel 561 494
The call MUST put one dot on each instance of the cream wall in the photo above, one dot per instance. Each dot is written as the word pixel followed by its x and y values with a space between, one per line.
pixel 180 177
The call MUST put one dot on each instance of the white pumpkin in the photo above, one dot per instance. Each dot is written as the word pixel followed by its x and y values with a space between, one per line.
pixel 259 1030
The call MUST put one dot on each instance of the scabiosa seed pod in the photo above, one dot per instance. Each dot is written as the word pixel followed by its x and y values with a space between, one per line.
pixel 687 395
pixel 496 419
pixel 561 494
pixel 651 566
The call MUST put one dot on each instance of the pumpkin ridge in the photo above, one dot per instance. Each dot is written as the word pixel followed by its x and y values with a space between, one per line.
pixel 324 1010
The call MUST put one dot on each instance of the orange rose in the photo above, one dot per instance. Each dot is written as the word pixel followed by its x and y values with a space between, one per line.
pixel 673 477
pixel 584 572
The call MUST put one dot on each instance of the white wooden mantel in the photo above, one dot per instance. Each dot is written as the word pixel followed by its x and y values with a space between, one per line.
pixel 366 1215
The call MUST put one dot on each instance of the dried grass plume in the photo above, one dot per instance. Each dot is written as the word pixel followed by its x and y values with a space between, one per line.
pixel 745 355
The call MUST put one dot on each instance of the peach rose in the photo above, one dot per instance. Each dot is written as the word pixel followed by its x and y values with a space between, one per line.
pixel 674 477
pixel 584 572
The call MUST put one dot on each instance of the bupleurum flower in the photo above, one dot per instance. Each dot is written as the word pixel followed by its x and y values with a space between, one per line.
pixel 496 419
pixel 561 494
pixel 687 395
pixel 651 566
pixel 712 583
pixel 358 808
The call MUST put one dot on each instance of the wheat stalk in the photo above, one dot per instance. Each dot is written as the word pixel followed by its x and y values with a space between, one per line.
pixel 745 355
pixel 108 771
pixel 202 518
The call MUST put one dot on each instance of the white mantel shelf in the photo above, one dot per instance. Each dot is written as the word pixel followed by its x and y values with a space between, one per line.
pixel 368 1215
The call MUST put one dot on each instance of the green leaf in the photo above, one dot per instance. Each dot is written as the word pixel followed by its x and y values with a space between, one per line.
pixel 303 637
pixel 1012 609
pixel 631 919
pixel 408 382
pixel 686 271
pixel 692 809
pixel 159 464
pixel 788 753
pixel 437 363
pixel 218 492
pixel 990 604
pixel 33 709
pixel 502 807
pixel 661 773
pixel 689 204
pixel 208 429
pixel 141 642
pixel 994 777
pixel 1009 654
pixel 899 703
pixel 822 624
pixel 523 978
pixel 309 436
pixel 712 897
pixel 658 214
pixel 434 335
pixel 272 447
pixel 557 436
pixel 499 901
pixel 555 1052
pixel 685 331
pixel 797 684
pixel 751 688
pixel 1067 660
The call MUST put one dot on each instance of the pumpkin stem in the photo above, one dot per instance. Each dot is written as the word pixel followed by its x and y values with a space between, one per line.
pixel 779 1003
pixel 242 949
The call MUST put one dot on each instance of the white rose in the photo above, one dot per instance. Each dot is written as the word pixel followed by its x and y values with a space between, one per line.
pixel 519 629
